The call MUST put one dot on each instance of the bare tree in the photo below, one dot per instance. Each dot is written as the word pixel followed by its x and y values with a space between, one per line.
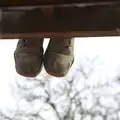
pixel 64 98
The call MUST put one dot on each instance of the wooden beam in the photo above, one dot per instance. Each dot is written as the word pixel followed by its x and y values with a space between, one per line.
pixel 68 21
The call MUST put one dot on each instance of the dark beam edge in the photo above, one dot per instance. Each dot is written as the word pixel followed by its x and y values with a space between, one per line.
pixel 45 2
pixel 58 34
pixel 50 5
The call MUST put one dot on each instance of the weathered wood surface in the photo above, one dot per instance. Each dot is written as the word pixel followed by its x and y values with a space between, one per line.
pixel 90 21
pixel 71 20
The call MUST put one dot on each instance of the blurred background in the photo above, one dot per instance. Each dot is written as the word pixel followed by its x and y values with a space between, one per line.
pixel 90 91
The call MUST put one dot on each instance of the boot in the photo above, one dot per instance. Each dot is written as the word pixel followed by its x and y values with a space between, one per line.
pixel 29 57
pixel 59 56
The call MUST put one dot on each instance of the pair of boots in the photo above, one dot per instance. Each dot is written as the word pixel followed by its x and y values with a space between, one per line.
pixel 57 59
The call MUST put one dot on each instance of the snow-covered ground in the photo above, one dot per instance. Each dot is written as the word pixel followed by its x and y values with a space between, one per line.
pixel 91 90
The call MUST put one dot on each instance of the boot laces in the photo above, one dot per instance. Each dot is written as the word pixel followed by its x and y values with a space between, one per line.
pixel 67 42
pixel 28 43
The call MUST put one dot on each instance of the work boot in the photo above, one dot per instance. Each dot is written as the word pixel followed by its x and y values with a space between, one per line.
pixel 29 57
pixel 59 56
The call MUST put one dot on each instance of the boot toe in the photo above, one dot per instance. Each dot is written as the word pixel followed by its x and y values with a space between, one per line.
pixel 28 66
pixel 58 65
